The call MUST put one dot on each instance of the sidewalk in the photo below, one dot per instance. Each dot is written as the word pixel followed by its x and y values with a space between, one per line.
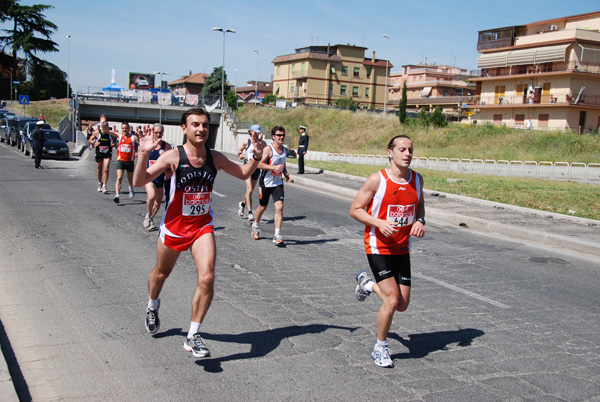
pixel 516 223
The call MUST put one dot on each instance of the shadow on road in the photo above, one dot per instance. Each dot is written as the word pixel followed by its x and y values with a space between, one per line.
pixel 420 345
pixel 261 342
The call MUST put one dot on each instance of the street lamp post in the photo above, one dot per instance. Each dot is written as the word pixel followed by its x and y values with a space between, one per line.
pixel 68 63
pixel 222 123
pixel 387 67
pixel 160 95
pixel 256 82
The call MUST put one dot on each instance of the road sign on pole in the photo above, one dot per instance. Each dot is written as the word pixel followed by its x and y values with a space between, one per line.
pixel 23 99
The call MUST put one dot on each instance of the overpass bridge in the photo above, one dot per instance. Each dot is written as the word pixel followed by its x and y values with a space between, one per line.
pixel 91 109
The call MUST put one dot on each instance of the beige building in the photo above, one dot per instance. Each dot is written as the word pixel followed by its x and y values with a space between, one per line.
pixel 324 74
pixel 546 74
pixel 429 86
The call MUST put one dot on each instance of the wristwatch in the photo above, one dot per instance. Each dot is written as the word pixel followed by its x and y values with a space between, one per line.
pixel 255 158
pixel 422 220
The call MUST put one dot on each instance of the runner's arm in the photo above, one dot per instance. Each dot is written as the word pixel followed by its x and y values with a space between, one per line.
pixel 143 175
pixel 363 198
pixel 418 228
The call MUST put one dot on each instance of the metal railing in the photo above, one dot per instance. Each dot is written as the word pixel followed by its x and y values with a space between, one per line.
pixel 575 171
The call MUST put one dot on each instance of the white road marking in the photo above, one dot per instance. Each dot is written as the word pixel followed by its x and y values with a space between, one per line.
pixel 219 194
pixel 463 291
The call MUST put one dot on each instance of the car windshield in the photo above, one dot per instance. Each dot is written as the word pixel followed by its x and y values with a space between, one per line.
pixel 21 123
pixel 52 135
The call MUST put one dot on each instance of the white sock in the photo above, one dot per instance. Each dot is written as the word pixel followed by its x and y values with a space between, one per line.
pixel 369 286
pixel 277 232
pixel 194 329
pixel 153 304
pixel 381 343
pixel 255 224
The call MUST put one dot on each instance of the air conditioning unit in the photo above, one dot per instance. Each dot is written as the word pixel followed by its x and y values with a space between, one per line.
pixel 552 100
pixel 554 27
pixel 482 103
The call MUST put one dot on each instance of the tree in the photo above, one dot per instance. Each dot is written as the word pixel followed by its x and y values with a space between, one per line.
pixel 403 105
pixel 30 33
pixel 46 81
pixel 212 85
pixel 270 99
pixel 346 103
pixel 231 99
pixel 437 118
pixel 423 117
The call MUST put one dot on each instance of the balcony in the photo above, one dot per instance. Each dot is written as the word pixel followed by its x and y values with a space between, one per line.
pixel 544 68
pixel 520 100
pixel 298 75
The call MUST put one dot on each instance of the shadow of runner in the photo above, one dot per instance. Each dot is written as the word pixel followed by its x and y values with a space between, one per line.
pixel 420 345
pixel 261 342
pixel 14 369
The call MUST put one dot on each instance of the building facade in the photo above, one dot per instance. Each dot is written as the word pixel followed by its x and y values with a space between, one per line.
pixel 247 94
pixel 543 75
pixel 324 74
pixel 430 86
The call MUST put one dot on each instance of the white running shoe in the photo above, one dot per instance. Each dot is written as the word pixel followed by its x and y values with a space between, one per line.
pixel 255 231
pixel 147 220
pixel 360 292
pixel 250 217
pixel 99 187
pixel 104 190
pixel 197 346
pixel 278 240
pixel 382 356
pixel 241 209
pixel 151 226
pixel 131 193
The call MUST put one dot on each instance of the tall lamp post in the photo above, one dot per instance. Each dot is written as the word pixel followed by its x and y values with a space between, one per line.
pixel 256 82
pixel 160 95
pixel 222 123
pixel 387 67
pixel 68 63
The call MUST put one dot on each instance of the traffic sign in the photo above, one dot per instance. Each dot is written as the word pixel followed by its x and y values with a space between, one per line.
pixel 23 99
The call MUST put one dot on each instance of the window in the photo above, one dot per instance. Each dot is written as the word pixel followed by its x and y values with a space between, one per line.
pixel 520 88
pixel 344 70
pixel 343 90
pixel 354 91
pixel 293 68
pixel 519 119
pixel 278 70
pixel 368 72
pixel 366 92
pixel 332 69
pixel 276 89
pixel 303 69
pixel 543 120
pixel 357 72
pixel 497 120
pixel 331 89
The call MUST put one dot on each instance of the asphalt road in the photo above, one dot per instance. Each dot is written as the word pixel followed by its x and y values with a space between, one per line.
pixel 490 319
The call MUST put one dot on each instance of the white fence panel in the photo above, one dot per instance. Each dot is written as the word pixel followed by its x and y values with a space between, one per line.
pixel 592 173
pixel 489 166
pixel 561 171
pixel 502 168
pixel 454 165
pixel 577 171
pixel 515 168
pixel 477 166
pixel 530 169
pixel 545 170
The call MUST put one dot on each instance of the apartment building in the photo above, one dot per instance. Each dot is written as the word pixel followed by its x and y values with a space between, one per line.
pixel 545 72
pixel 324 74
pixel 247 94
pixel 430 85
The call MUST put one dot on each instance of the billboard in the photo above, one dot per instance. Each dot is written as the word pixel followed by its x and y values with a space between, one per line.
pixel 141 81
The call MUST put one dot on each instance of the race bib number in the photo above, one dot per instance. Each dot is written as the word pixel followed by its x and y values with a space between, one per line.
pixel 195 204
pixel 401 215
pixel 125 148
pixel 104 149
pixel 276 174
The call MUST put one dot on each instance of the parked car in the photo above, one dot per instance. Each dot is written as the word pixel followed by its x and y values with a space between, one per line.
pixel 54 145
pixel 17 127
pixel 5 124
pixel 26 141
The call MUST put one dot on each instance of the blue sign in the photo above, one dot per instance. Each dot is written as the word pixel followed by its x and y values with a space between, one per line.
pixel 16 82
pixel 256 94
pixel 23 99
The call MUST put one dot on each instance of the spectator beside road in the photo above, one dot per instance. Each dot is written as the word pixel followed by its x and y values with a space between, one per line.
pixel 302 149
pixel 38 140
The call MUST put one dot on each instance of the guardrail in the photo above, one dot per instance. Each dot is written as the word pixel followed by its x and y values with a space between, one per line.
pixel 575 171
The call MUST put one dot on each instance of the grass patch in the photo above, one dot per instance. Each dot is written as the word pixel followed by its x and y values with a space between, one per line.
pixel 545 195
pixel 52 110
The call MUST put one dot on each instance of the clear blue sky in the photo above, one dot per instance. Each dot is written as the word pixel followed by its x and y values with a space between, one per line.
pixel 176 36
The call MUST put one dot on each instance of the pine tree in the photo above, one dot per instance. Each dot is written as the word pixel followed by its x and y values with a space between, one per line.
pixel 403 105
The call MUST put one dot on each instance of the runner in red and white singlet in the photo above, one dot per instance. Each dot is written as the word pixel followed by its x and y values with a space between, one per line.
pixel 390 205
pixel 125 160
pixel 187 223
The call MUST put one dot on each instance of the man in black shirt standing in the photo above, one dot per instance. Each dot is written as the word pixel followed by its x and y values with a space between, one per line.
pixel 38 143
pixel 302 148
